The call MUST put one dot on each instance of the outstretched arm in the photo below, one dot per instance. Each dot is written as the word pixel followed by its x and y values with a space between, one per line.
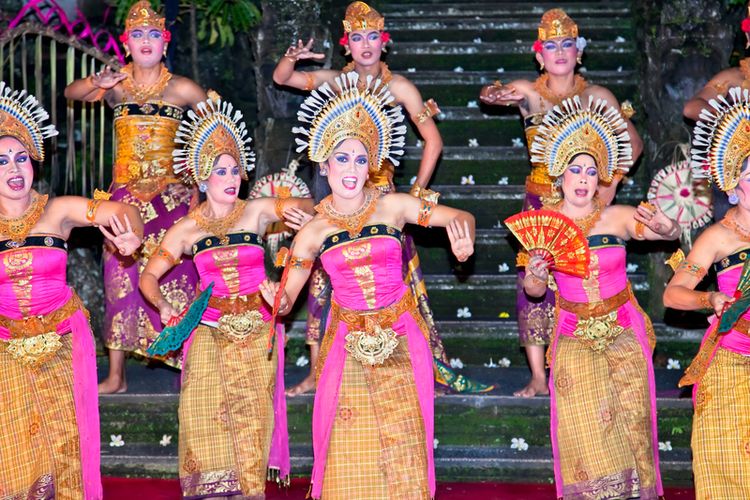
pixel 284 74
pixel 95 86
pixel 165 258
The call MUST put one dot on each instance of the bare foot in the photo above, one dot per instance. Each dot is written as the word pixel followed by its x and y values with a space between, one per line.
pixel 534 388
pixel 303 387
pixel 112 385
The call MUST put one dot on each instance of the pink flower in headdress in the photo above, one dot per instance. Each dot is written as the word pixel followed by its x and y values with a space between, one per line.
pixel 385 37
pixel 124 38
pixel 344 39
pixel 166 35
pixel 537 47
pixel 746 25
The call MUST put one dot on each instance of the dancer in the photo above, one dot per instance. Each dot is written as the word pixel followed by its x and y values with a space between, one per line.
pixel 365 39
pixel 721 370
pixel 148 104
pixel 49 447
pixel 603 402
pixel 228 371
pixel 558 50
pixel 373 412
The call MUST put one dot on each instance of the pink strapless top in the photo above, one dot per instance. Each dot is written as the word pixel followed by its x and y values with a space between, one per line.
pixel 608 272
pixel 33 277
pixel 367 270
pixel 235 269
pixel 728 271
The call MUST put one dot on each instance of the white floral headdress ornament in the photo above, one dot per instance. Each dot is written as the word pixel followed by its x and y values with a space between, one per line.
pixel 21 116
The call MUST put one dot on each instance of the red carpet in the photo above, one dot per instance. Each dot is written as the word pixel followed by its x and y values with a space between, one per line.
pixel 116 488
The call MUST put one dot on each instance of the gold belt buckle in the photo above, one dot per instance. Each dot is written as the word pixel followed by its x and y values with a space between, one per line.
pixel 598 332
pixel 373 347
pixel 239 326
pixel 34 351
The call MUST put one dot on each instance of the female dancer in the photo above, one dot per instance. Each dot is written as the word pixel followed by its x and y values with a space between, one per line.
pixel 558 50
pixel 148 104
pixel 49 447
pixel 232 397
pixel 721 370
pixel 365 39
pixel 603 408
pixel 373 413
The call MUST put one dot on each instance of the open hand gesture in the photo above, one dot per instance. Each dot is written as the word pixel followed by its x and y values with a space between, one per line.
pixel 107 79
pixel 500 94
pixel 296 218
pixel 459 235
pixel 303 51
pixel 269 289
pixel 122 235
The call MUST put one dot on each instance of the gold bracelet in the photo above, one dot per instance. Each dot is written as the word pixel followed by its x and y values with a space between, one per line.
pixel 704 300
pixel 278 207
pixel 310 83
pixel 640 228
pixel 425 212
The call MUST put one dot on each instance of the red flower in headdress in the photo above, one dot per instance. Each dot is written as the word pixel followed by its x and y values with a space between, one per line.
pixel 385 37
pixel 746 25
pixel 344 39
pixel 537 47
pixel 124 38
pixel 166 35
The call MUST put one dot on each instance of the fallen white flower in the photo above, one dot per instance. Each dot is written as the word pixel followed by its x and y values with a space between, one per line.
pixel 166 440
pixel 491 364
pixel 517 142
pixel 463 312
pixel 505 362
pixel 411 70
pixel 116 440
pixel 302 361
pixel 503 268
pixel 477 40
pixel 665 446
pixel 435 443
pixel 501 70
pixel 467 180
pixel 456 363
pixel 419 143
pixel 503 181
pixel 458 69
pixel 472 104
pixel 473 143
pixel 631 268
pixel 673 364
pixel 619 39
pixel 519 444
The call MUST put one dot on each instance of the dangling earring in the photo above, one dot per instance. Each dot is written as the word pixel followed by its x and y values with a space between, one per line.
pixel 579 59
pixel 164 52
pixel 323 170
pixel 202 187
pixel 733 198
pixel 127 52
pixel 541 66
pixel 347 51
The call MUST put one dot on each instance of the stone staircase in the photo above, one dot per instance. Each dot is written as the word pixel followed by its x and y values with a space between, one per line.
pixel 449 50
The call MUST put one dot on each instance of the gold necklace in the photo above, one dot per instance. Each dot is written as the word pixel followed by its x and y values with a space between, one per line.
pixel 587 222
pixel 142 93
pixel 220 226
pixel 730 221
pixel 540 85
pixel 352 222
pixel 384 74
pixel 20 227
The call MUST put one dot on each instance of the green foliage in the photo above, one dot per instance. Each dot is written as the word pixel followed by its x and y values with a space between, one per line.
pixel 219 21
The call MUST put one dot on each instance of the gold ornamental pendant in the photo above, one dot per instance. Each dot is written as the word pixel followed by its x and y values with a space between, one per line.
pixel 239 326
pixel 34 351
pixel 598 333
pixel 372 348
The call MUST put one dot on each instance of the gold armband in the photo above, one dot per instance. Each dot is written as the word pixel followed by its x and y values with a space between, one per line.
pixel 285 259
pixel 425 212
pixel 692 269
pixel 430 109
pixel 278 208
pixel 164 254
pixel 675 259
pixel 640 229
pixel 93 204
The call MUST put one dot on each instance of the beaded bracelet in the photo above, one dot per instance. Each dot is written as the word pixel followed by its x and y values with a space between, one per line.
pixel 425 212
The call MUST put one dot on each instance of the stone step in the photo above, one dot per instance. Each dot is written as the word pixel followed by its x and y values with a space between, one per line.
pixel 470 48
pixel 577 10
pixel 608 78
pixel 437 31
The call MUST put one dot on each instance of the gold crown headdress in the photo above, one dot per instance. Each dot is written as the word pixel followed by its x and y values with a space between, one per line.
pixel 570 129
pixel 351 113
pixel 21 116
pixel 555 23
pixel 721 139
pixel 141 14
pixel 360 16
pixel 211 132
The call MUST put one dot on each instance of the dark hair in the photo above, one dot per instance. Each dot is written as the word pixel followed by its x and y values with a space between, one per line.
pixel 320 187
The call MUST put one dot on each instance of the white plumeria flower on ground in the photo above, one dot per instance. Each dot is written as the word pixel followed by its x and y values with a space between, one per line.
pixel 463 312
pixel 619 39
pixel 665 446
pixel 456 363
pixel 458 69
pixel 517 142
pixel 435 40
pixel 503 268
pixel 491 364
pixel 519 41
pixel 503 181
pixel 116 440
pixel 413 180
pixel 640 287
pixel 619 69
pixel 673 364
pixel 631 268
pixel 326 43
pixel 473 143
pixel 467 180
pixel 504 362
pixel 501 70
pixel 583 69
pixel 519 444
pixel 166 440
pixel 435 443
pixel 411 70
pixel 472 104
pixel 302 361
pixel 419 143
pixel 477 40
